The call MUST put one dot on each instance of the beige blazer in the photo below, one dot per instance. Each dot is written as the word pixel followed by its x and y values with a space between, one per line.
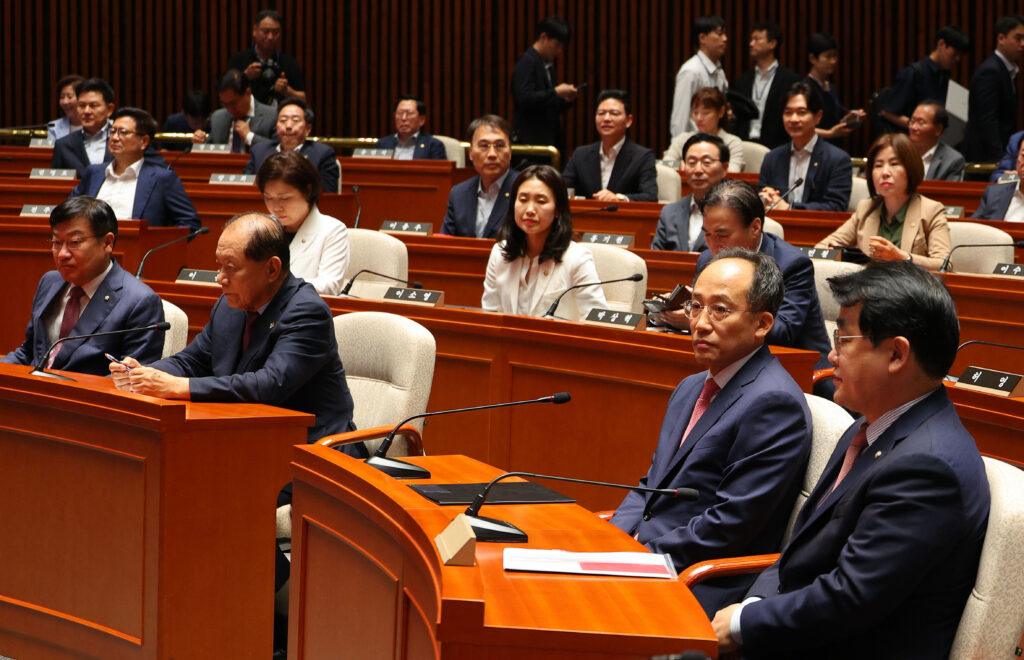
pixel 925 231
pixel 319 252
pixel 501 285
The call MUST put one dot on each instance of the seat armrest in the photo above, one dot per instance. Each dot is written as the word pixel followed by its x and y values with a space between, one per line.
pixel 822 374
pixel 728 566
pixel 604 515
pixel 374 433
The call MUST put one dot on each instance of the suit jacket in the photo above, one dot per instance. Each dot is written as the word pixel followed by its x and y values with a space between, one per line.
pixel 947 164
pixel 673 231
pixel 501 285
pixel 427 146
pixel 991 111
pixel 160 199
pixel 773 132
pixel 1009 161
pixel 799 322
pixel 120 302
pixel 319 252
pixel 633 174
pixel 324 159
pixel 460 216
pixel 537 107
pixel 263 125
pixel 883 566
pixel 828 181
pixel 291 361
pixel 745 456
pixel 995 201
pixel 925 230
pixel 69 153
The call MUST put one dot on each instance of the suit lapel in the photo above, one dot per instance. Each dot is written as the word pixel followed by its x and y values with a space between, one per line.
pixel 98 309
pixel 544 272
pixel 500 205
pixel 622 161
pixel 50 295
pixel 683 224
pixel 812 169
pixel 593 169
pixel 911 223
pixel 143 189
pixel 261 328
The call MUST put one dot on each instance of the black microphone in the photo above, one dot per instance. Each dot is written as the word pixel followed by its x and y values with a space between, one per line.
pixel 359 207
pixel 945 264
pixel 403 470
pixel 174 160
pixel 40 370
pixel 550 314
pixel 187 237
pixel 411 285
pixel 498 531
pixel 799 182
pixel 611 208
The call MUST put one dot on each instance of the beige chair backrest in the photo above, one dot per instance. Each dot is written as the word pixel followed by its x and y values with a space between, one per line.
pixel 670 186
pixel 774 227
pixel 338 161
pixel 823 270
pixel 858 193
pixel 389 366
pixel 753 154
pixel 978 259
pixel 453 149
pixel 615 262
pixel 175 338
pixel 376 251
pixel 993 619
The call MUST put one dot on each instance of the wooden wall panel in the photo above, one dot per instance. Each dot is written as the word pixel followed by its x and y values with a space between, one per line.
pixel 358 55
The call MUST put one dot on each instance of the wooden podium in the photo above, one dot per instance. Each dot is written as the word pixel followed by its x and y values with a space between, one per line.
pixel 136 527
pixel 367 581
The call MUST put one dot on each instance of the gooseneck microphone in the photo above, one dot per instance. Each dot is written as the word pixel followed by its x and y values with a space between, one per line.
pixel 796 184
pixel 498 531
pixel 359 207
pixel 945 263
pixel 550 314
pixel 187 237
pixel 403 470
pixel 348 286
pixel 40 369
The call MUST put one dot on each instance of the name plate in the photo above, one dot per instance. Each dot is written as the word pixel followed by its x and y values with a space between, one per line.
pixel 365 152
pixel 402 227
pixel 216 148
pixel 1008 177
pixel 954 211
pixel 36 211
pixel 425 297
pixel 611 318
pixel 617 240
pixel 828 254
pixel 40 143
pixel 53 175
pixel 233 179
pixel 196 276
pixel 991 381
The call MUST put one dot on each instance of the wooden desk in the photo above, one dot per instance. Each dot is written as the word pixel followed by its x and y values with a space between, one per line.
pixel 955 193
pixel 363 542
pixel 136 527
pixel 996 422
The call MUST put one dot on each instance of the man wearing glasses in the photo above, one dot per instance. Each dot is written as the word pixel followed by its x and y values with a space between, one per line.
pixel 88 293
pixel 409 140
pixel 681 224
pixel 739 433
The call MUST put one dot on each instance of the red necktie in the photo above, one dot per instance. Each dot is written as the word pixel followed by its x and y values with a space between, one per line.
pixel 71 311
pixel 711 388
pixel 250 319
pixel 857 445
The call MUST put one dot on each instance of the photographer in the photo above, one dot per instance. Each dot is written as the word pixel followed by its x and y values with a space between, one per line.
pixel 272 75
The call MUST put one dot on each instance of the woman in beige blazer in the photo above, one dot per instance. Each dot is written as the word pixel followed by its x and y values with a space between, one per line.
pixel 318 252
pixel 535 259
pixel 895 172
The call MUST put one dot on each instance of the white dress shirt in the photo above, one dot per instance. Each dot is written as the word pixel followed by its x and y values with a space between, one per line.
pixel 762 83
pixel 485 200
pixel 608 162
pixel 799 161
pixel 698 71
pixel 928 157
pixel 1015 211
pixel 118 190
pixel 96 144
pixel 405 150
pixel 696 222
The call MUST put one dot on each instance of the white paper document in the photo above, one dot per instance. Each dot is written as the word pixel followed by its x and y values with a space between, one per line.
pixel 625 564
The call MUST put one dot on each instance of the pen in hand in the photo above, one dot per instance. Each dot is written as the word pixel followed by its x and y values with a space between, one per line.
pixel 114 359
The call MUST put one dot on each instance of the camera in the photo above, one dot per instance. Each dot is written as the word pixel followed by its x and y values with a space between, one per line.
pixel 271 71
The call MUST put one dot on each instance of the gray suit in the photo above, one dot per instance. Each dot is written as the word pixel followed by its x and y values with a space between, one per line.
pixel 263 125
pixel 673 232
pixel 947 164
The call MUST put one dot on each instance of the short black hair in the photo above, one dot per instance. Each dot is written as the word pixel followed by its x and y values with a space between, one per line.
pixel 820 42
pixel 767 287
pixel 941 114
pixel 901 299
pixel 96 85
pixel 267 238
pixel 144 122
pixel 954 37
pixel 99 214
pixel 268 13
pixel 1006 24
pixel 494 121
pixel 737 195
pixel 810 94
pixel 294 169
pixel 697 138
pixel 307 112
pixel 772 31
pixel 197 104
pixel 620 95
pixel 706 24
pixel 233 80
pixel 560 234
pixel 421 107
pixel 555 27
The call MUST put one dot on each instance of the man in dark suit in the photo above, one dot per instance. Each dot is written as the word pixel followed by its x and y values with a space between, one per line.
pixel 825 169
pixel 477 206
pixel 294 124
pixel 1008 163
pixel 765 84
pixel 739 433
pixel 89 292
pixel 941 161
pixel 133 186
pixel 77 150
pixel 615 168
pixel 243 121
pixel 272 74
pixel 194 116
pixel 885 551
pixel 992 103
pixel 539 101
pixel 926 80
pixel 409 140
pixel 1004 201
pixel 681 224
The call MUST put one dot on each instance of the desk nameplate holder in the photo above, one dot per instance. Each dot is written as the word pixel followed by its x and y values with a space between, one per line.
pixel 603 238
pixel 36 210
pixel 197 276
pixel 990 381
pixel 421 297
pixel 954 212
pixel 50 174
pixel 212 148
pixel 228 179
pixel 826 254
pixel 40 143
pixel 1009 270
pixel 610 318
pixel 403 227
pixel 366 152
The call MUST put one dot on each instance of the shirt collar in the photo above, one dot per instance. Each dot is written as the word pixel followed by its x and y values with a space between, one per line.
pixel 726 374
pixel 130 172
pixel 770 71
pixel 498 183
pixel 1012 66
pixel 412 138
pixel 92 285
pixel 708 65
pixel 809 147
pixel 103 133
pixel 616 148
pixel 928 155
pixel 882 424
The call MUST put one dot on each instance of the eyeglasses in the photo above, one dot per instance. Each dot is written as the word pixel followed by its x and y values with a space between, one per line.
pixel 706 161
pixel 73 244
pixel 839 340
pixel 717 312
pixel 121 132
pixel 497 145
pixel 406 114
pixel 795 112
